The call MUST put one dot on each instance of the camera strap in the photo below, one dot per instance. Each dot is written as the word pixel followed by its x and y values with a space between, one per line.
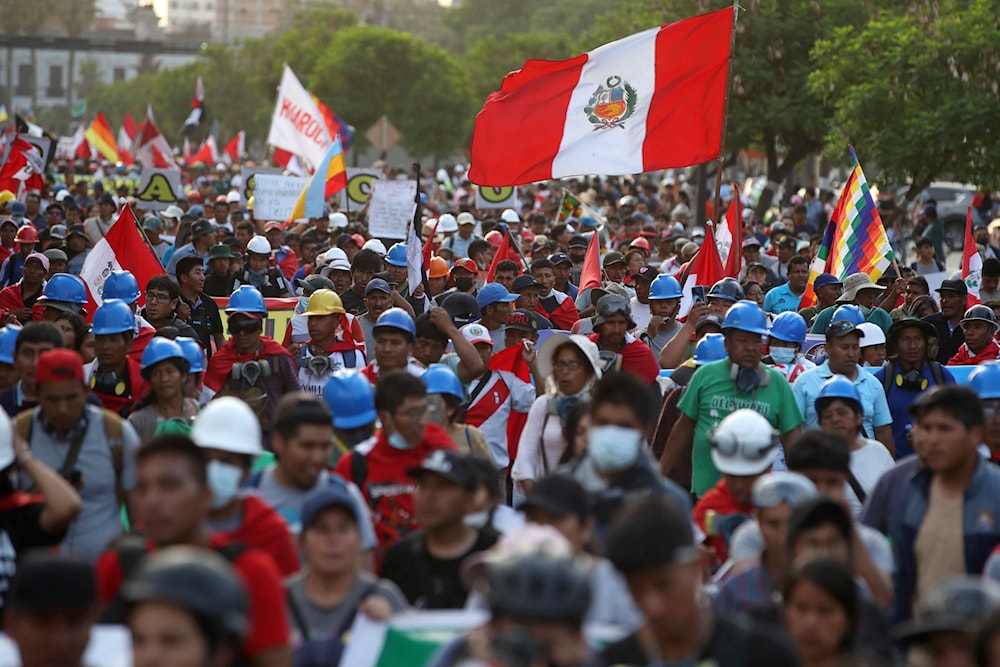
pixel 69 463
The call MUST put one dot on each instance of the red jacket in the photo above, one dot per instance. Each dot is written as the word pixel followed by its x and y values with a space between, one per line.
pixel 139 388
pixel 12 298
pixel 263 529
pixel 964 356
pixel 386 486
pixel 722 503
pixel 637 359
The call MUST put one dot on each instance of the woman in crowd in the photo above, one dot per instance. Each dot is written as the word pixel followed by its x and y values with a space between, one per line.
pixel 571 366
pixel 821 613
pixel 165 368
pixel 575 433
pixel 76 335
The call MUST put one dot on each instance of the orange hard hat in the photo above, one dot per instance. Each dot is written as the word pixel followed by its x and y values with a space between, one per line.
pixel 438 268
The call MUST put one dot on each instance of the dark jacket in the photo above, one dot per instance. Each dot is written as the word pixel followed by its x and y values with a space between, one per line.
pixel 948 341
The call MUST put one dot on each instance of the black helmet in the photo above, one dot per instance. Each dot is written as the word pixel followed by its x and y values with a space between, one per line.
pixel 539 586
pixel 953 605
pixel 728 289
pixel 198 580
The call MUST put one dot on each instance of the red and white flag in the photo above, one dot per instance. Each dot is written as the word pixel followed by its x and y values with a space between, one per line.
pixel 972 263
pixel 197 108
pixel 79 147
pixel 208 153
pixel 152 149
pixel 730 237
pixel 123 247
pixel 297 125
pixel 23 168
pixel 654 100
pixel 126 138
pixel 186 151
pixel 235 149
pixel 706 268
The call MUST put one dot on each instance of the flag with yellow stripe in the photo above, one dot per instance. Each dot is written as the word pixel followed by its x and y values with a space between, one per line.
pixel 101 137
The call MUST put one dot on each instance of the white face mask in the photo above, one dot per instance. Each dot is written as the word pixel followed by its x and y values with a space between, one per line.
pixel 865 311
pixel 783 355
pixel 613 448
pixel 224 480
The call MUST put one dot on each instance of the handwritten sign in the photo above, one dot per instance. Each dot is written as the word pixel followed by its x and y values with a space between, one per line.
pixel 158 188
pixel 390 208
pixel 249 176
pixel 496 197
pixel 274 196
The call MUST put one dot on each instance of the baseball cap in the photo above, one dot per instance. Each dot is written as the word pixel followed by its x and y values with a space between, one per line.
pixel 476 333
pixel 824 279
pixel 578 242
pixel 78 230
pixel 953 286
pixel 466 264
pixel 42 259
pixel 491 293
pixel 773 488
pixel 708 318
pixel 560 258
pixel 200 228
pixel 461 307
pixel 57 231
pixel 344 239
pixel 524 282
pixel 49 581
pixel 274 224
pixel 521 320
pixel 784 241
pixel 174 212
pixel 842 328
pixel 613 258
pixel 325 497
pixel 451 465
pixel 559 496
pixel 588 221
pixel 59 364
pixel 647 273
pixel 56 255
pixel 153 223
pixel 386 276
pixel 466 218
pixel 751 241
pixel 313 282
pixel 377 284
pixel 756 265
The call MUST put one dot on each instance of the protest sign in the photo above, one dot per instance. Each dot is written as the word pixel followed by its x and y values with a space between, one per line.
pixel 274 196
pixel 158 188
pixel 496 197
pixel 390 208
pixel 359 188
pixel 248 174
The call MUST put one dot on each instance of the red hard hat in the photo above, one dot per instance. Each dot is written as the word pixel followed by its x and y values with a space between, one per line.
pixel 27 234
pixel 641 244
pixel 359 239
pixel 494 238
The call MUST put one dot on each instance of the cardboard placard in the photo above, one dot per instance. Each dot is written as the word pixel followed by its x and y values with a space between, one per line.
pixel 391 208
pixel 496 197
pixel 274 196
pixel 359 188
pixel 249 174
pixel 158 188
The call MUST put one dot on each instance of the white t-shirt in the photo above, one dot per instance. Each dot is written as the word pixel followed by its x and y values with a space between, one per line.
pixel 868 464
pixel 640 313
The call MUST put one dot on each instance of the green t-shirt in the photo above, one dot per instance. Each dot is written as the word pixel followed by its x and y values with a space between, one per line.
pixel 711 397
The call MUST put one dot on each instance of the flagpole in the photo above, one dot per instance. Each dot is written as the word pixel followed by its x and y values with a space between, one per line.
pixel 416 231
pixel 725 118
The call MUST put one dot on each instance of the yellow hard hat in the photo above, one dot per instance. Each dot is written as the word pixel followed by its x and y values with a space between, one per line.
pixel 324 302
pixel 250 203
pixel 6 196
pixel 438 268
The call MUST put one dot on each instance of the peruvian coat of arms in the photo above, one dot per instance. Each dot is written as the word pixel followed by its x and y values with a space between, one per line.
pixel 611 104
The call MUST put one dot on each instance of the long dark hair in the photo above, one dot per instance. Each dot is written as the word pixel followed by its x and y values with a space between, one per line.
pixel 834 579
pixel 573 418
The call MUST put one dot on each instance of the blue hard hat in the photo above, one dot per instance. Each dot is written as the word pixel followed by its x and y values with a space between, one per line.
pixel 351 399
pixel 246 299
pixel 985 380
pixel 193 352
pixel 664 287
pixel 712 347
pixel 8 339
pixel 65 287
pixel 850 313
pixel 839 386
pixel 440 379
pixel 121 285
pixel 396 255
pixel 162 349
pixel 396 318
pixel 746 316
pixel 789 327
pixel 491 293
pixel 114 316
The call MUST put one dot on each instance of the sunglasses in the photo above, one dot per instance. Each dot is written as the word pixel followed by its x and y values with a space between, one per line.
pixel 244 326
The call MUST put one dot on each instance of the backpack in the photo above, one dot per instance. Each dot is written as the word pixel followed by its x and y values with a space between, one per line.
pixel 131 550
pixel 889 375
pixel 113 433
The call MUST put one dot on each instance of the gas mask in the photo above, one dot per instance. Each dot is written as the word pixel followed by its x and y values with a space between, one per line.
pixel 251 371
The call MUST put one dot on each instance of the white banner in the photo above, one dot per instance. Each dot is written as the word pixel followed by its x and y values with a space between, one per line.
pixel 274 196
pixel 496 197
pixel 158 188
pixel 390 208
pixel 297 126
pixel 359 187
pixel 249 176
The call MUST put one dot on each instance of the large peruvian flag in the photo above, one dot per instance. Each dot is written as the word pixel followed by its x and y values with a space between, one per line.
pixel 654 100
pixel 972 263
pixel 123 247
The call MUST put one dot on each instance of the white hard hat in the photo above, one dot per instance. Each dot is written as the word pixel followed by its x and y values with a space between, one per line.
pixel 259 245
pixel 375 246
pixel 447 223
pixel 228 424
pixel 510 215
pixel 338 220
pixel 873 334
pixel 334 254
pixel 7 454
pixel 441 175
pixel 233 197
pixel 175 212
pixel 744 443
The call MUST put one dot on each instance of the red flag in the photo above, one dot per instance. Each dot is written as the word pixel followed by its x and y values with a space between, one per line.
pixel 650 101
pixel 23 167
pixel 706 267
pixel 505 251
pixel 428 249
pixel 152 148
pixel 123 247
pixel 590 275
pixel 734 220
pixel 510 359
pixel 972 263
pixel 235 149
pixel 208 153
pixel 126 137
